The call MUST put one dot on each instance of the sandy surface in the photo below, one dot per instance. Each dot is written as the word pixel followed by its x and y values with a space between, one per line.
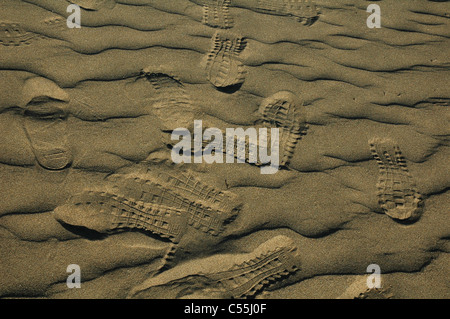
pixel 86 176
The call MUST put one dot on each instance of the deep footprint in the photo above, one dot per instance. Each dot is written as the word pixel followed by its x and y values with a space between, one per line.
pixel 207 208
pixel 48 141
pixel 166 204
pixel 397 193
pixel 223 67
pixel 108 213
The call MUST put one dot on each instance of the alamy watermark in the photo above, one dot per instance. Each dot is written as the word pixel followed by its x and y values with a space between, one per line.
pixel 74 20
pixel 374 20
pixel 374 280
pixel 74 279
pixel 242 146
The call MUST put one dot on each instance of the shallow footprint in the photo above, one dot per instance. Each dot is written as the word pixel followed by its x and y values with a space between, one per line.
pixel 13 34
pixel 107 213
pixel 171 104
pixel 43 104
pixel 216 13
pixel 49 142
pixel 397 193
pixel 207 208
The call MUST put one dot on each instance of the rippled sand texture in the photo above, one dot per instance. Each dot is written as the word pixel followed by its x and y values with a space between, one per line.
pixel 86 176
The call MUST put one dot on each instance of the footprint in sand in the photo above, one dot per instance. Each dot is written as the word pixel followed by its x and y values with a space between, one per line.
pixel 107 213
pixel 171 104
pixel 45 124
pixel 397 193
pixel 281 110
pixel 226 276
pixel 158 200
pixel 216 14
pixel 13 34
pixel 169 204
pixel 223 67
pixel 305 11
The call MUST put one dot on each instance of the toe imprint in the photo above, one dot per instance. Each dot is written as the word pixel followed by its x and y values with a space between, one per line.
pixel 216 14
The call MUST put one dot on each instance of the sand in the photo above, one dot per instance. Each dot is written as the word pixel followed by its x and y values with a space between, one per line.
pixel 86 175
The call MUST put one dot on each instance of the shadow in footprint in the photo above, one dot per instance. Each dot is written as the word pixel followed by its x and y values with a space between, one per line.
pixel 84 232
pixel 230 89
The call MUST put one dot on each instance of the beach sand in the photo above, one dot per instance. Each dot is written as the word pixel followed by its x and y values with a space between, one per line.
pixel 87 178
